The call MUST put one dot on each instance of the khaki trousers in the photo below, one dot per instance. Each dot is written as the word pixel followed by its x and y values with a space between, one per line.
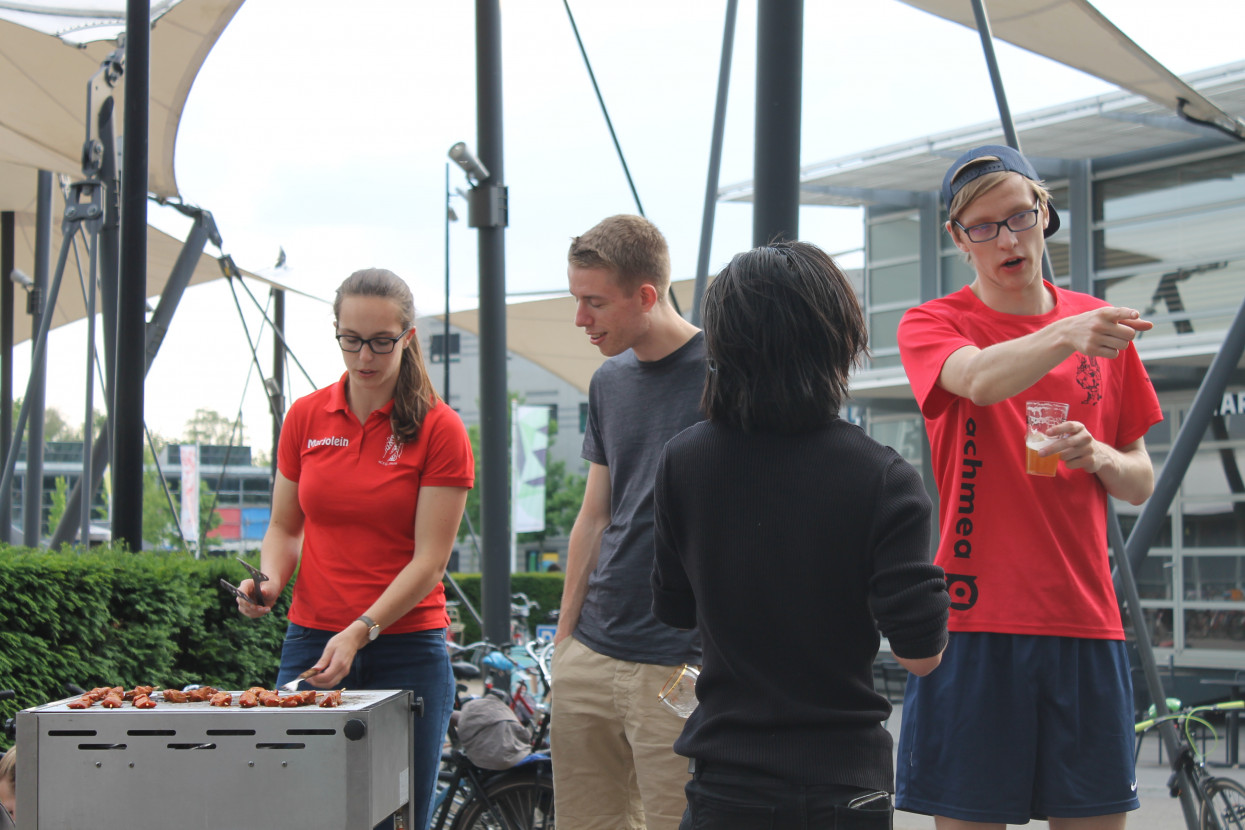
pixel 613 762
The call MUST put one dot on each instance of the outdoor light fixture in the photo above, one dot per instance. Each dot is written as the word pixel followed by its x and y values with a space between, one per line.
pixel 471 165
pixel 20 278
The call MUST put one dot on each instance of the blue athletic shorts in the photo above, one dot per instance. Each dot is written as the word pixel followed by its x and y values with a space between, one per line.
pixel 1012 727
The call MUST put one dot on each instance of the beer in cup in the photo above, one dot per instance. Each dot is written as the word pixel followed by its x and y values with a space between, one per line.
pixel 1041 416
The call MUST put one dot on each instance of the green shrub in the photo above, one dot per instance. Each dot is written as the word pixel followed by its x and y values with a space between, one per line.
pixel 109 617
pixel 542 588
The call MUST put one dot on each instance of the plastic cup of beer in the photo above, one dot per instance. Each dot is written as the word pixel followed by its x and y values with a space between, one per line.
pixel 679 693
pixel 1041 416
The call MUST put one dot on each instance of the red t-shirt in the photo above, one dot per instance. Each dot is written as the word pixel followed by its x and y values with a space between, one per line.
pixel 1023 554
pixel 358 490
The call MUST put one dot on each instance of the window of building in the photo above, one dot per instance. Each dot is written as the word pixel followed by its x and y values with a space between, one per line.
pixel 436 348
pixel 1167 241
pixel 583 417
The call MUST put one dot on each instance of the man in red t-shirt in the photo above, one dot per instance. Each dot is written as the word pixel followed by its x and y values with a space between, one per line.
pixel 1036 650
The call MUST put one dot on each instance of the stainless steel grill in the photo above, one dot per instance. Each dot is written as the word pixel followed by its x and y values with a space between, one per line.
pixel 191 765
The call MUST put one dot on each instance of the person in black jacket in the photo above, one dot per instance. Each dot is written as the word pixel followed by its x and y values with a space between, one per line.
pixel 790 538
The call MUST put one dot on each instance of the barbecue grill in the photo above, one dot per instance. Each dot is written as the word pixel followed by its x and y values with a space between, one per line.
pixel 191 765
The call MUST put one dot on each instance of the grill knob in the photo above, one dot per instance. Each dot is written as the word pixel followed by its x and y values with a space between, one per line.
pixel 354 730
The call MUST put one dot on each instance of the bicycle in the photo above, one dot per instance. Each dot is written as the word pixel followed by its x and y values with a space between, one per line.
pixel 1220 801
pixel 470 797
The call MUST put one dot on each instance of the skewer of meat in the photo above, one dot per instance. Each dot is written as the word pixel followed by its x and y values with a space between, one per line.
pixel 201 694
pixel 175 696
pixel 332 699
pixel 141 701
pixel 248 699
pixel 112 701
pixel 269 698
pixel 84 702
pixel 221 699
pixel 138 690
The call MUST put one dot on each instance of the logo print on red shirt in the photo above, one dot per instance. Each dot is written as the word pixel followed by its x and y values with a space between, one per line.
pixel 393 451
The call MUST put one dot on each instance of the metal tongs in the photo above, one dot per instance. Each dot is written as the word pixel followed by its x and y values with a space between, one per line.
pixel 256 597
pixel 292 686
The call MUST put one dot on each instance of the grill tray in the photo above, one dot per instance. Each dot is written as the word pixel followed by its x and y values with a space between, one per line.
pixel 193 765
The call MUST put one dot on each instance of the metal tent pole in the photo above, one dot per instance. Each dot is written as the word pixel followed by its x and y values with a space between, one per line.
pixel 1197 418
pixel 776 164
pixel 36 388
pixel 1145 653
pixel 715 161
pixel 203 229
pixel 276 382
pixel 1000 98
pixel 489 216
pixel 8 307
pixel 127 464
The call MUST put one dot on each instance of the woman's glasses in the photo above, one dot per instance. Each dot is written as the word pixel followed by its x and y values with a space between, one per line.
pixel 378 345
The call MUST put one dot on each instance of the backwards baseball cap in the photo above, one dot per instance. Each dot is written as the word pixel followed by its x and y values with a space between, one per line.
pixel 1005 159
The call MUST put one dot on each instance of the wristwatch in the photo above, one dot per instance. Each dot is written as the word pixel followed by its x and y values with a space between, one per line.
pixel 373 627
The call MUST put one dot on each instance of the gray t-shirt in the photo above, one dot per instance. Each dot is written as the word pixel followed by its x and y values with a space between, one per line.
pixel 634 408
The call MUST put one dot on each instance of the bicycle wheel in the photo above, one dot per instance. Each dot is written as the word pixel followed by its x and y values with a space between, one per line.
pixel 1225 800
pixel 520 803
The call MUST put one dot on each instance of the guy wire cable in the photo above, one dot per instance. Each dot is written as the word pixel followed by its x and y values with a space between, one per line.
pixel 610 125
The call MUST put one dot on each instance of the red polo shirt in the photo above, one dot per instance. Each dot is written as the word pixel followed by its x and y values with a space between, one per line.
pixel 358 490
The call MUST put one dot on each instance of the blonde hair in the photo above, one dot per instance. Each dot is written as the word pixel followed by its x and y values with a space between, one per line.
pixel 981 185
pixel 629 246
pixel 414 396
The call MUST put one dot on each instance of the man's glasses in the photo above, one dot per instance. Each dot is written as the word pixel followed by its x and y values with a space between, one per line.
pixel 989 230
pixel 378 345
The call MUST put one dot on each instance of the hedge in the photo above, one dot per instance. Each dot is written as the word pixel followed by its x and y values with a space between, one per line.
pixel 116 618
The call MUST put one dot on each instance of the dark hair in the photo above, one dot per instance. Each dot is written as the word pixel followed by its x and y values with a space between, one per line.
pixel 783 329
pixel 414 396
pixel 631 247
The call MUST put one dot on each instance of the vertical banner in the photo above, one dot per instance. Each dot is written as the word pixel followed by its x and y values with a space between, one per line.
pixel 529 443
pixel 190 492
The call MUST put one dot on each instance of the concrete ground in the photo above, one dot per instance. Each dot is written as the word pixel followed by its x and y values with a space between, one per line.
pixel 1159 811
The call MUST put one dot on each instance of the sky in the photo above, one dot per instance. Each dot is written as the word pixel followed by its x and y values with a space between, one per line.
pixel 321 129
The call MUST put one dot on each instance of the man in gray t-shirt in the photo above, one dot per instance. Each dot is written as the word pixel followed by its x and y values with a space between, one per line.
pixel 614 762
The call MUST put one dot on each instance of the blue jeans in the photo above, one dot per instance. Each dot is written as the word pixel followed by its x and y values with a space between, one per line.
pixel 726 797
pixel 418 662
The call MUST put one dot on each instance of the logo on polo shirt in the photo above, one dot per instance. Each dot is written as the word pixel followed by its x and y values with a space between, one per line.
pixel 330 441
pixel 393 451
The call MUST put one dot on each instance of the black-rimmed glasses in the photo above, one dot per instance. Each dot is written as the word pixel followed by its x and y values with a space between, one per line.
pixel 986 231
pixel 378 345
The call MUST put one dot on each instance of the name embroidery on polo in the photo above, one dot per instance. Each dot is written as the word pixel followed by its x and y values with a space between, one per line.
pixel 330 441
pixel 393 451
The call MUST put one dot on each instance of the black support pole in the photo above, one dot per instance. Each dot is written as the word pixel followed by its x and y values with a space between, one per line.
pixel 127 460
pixel 8 307
pixel 494 412
pixel 277 380
pixel 715 161
pixel 445 345
pixel 36 387
pixel 776 166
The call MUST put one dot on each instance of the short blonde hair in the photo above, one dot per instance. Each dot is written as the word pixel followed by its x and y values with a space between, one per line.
pixel 629 246
pixel 981 185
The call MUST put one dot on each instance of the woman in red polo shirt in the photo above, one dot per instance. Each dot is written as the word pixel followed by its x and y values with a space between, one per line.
pixel 372 479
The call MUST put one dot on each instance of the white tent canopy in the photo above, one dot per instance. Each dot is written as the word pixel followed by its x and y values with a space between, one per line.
pixel 45 67
pixel 1076 34
pixel 43 108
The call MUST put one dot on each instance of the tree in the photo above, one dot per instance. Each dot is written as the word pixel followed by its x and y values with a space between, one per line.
pixel 160 521
pixel 564 493
pixel 210 427
pixel 55 427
